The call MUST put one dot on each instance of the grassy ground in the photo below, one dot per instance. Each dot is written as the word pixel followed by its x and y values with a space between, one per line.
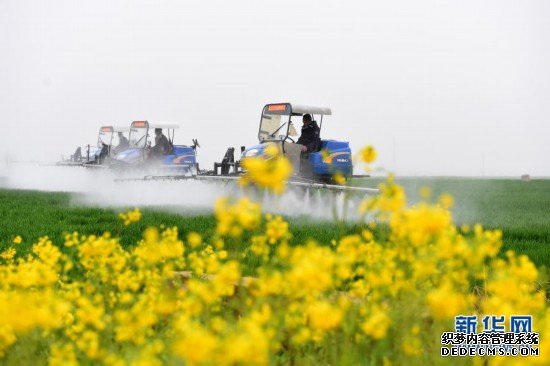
pixel 518 208
pixel 33 214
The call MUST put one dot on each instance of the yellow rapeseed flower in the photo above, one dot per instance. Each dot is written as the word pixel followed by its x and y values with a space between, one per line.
pixel 8 254
pixel 446 303
pixel 130 216
pixel 271 150
pixel 324 316
pixel 233 219
pixel 377 324
pixel 368 154
pixel 276 229
pixel 446 200
pixel 339 179
pixel 194 239
pixel 269 171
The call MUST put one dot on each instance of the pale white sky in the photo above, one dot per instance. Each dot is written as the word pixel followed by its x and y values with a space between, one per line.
pixel 434 85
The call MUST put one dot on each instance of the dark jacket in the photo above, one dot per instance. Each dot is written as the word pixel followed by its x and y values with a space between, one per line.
pixel 310 137
pixel 162 145
pixel 123 144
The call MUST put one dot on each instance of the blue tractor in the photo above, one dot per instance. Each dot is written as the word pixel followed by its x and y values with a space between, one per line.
pixel 313 169
pixel 278 126
pixel 97 156
pixel 143 151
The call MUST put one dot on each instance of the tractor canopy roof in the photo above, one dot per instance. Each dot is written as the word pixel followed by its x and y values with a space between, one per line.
pixel 108 135
pixel 297 109
pixel 155 124
pixel 114 129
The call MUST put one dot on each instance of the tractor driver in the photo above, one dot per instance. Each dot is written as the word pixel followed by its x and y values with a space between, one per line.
pixel 162 145
pixel 309 139
pixel 123 143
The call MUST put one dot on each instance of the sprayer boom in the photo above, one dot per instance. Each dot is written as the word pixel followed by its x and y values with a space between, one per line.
pixel 227 179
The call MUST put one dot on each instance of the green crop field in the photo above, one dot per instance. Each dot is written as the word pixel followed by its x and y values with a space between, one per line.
pixel 519 208
pixel 33 214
